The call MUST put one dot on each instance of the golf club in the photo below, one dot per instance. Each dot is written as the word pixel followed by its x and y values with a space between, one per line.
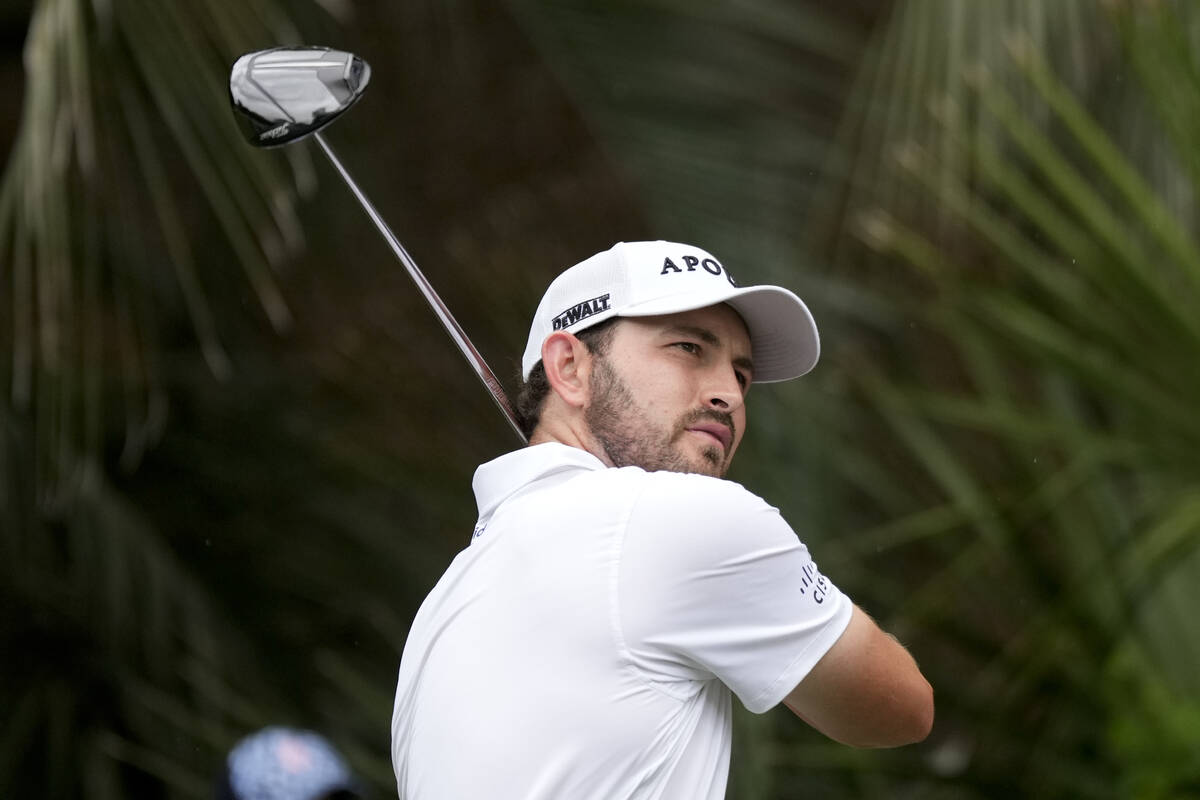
pixel 284 94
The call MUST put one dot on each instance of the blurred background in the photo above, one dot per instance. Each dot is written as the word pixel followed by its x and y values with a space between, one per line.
pixel 236 447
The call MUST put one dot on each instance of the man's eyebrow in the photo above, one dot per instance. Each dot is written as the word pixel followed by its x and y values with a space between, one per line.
pixel 710 338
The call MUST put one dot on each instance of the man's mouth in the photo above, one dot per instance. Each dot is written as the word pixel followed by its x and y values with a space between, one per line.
pixel 722 434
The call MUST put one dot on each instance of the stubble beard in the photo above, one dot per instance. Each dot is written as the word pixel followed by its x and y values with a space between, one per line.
pixel 629 439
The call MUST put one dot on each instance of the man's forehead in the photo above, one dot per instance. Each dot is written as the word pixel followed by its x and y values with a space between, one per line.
pixel 721 318
pixel 717 324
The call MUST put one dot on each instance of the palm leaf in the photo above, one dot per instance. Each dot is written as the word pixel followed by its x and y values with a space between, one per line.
pixel 1079 306
pixel 105 83
pixel 99 263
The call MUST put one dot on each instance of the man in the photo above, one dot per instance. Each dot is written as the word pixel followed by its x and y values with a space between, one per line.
pixel 617 590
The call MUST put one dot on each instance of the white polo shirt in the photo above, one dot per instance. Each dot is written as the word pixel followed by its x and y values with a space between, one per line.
pixel 586 643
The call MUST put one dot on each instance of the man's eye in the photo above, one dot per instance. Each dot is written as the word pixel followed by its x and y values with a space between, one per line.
pixel 688 347
pixel 741 379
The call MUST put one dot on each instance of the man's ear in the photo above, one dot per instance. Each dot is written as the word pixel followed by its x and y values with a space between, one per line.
pixel 568 364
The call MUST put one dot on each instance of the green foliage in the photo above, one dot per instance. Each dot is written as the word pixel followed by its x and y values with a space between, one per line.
pixel 114 656
pixel 1042 408
pixel 118 663
pixel 989 206
pixel 1152 733
pixel 96 228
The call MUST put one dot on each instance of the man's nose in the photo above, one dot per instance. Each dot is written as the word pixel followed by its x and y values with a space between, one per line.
pixel 723 391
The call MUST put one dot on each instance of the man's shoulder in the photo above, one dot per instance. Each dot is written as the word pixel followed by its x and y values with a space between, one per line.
pixel 685 489
pixel 688 524
pixel 581 475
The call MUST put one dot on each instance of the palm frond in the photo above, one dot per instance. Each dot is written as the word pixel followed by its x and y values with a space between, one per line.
pixel 1068 400
pixel 116 93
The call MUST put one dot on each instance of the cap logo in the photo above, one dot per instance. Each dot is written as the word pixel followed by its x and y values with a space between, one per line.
pixel 581 311
pixel 709 265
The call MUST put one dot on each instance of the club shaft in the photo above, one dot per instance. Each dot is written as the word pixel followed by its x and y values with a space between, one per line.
pixel 451 325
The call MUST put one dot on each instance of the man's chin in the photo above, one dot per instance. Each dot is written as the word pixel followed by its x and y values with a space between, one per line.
pixel 701 454
pixel 710 462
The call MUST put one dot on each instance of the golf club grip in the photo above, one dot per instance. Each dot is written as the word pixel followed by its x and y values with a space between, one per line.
pixel 431 297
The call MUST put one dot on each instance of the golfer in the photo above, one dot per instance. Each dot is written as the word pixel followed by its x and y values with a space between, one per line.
pixel 617 591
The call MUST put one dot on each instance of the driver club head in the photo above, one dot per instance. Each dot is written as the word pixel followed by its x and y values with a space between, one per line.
pixel 286 93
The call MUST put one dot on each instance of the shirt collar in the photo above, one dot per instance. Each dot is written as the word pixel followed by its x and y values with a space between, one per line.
pixel 500 478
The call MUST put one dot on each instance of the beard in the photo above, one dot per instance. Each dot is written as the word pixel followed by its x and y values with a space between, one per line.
pixel 629 439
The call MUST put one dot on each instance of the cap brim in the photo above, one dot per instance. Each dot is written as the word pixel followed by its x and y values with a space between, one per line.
pixel 784 342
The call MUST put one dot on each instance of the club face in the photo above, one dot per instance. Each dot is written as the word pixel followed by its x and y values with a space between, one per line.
pixel 286 93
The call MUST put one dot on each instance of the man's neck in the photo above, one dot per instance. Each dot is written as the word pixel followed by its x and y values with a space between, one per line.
pixel 570 435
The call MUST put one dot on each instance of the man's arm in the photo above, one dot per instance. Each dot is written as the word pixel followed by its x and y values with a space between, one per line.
pixel 866 691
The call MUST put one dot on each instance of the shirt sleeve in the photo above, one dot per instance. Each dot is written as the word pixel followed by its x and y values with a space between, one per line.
pixel 713 583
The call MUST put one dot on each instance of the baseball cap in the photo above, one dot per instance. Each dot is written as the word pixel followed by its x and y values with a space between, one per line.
pixel 642 279
pixel 279 763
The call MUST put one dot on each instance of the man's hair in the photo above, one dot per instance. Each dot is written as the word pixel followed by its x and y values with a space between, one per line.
pixel 533 392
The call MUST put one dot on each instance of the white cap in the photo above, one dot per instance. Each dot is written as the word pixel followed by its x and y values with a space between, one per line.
pixel 643 279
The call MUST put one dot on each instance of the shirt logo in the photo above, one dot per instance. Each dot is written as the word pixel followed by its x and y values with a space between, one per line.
pixel 581 311
pixel 690 262
pixel 811 579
